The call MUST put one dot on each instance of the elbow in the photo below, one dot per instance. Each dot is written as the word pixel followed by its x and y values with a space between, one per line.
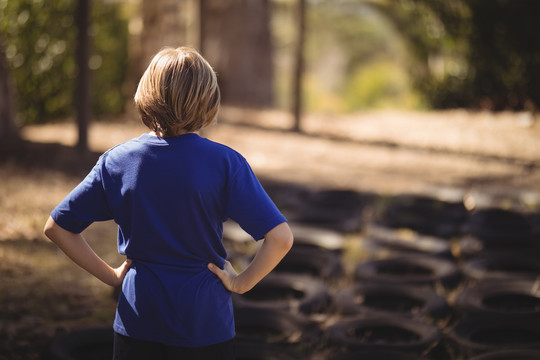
pixel 281 237
pixel 241 291
pixel 50 229
pixel 288 241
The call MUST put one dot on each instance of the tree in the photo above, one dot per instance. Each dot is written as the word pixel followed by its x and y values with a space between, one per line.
pixel 162 26
pixel 299 65
pixel 472 53
pixel 8 130
pixel 40 41
pixel 236 41
pixel 504 53
pixel 82 93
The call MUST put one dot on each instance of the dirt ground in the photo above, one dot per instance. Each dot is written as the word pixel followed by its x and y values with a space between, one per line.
pixel 481 158
pixel 451 152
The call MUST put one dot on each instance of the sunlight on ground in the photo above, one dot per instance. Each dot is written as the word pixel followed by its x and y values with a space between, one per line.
pixel 27 196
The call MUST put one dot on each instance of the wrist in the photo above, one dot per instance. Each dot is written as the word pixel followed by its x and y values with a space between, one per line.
pixel 240 285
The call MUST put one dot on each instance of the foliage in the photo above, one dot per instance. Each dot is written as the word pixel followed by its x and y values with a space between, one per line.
pixel 505 52
pixel 358 56
pixel 39 37
pixel 459 53
pixel 379 84
pixel 110 58
pixel 472 53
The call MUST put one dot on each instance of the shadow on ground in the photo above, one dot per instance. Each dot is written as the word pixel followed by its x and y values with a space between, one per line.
pixel 49 156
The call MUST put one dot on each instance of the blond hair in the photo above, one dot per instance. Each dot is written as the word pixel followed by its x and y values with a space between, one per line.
pixel 178 92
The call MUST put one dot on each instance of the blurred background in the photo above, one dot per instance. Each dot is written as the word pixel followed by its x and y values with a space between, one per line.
pixel 354 55
pixel 368 100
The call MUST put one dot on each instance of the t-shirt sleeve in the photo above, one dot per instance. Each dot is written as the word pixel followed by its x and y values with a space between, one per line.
pixel 250 206
pixel 85 204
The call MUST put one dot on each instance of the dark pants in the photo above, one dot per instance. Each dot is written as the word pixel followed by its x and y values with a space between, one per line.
pixel 134 349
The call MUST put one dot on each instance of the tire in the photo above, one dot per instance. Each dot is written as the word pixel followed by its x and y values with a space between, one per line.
pixel 392 241
pixel 393 300
pixel 384 333
pixel 339 210
pixel 423 214
pixel 534 220
pixel 469 247
pixel 316 237
pixel 502 266
pixel 88 344
pixel 377 355
pixel 286 196
pixel 410 270
pixel 340 199
pixel 498 227
pixel 503 300
pixel 277 327
pixel 510 355
pixel 245 350
pixel 312 261
pixel 472 338
pixel 287 292
pixel 340 220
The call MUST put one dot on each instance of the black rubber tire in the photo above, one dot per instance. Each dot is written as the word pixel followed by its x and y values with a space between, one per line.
pixel 317 237
pixel 499 227
pixel 87 344
pixel 342 199
pixel 469 247
pixel 288 292
pixel 286 196
pixel 504 300
pixel 339 210
pixel 272 326
pixel 410 270
pixel 502 266
pixel 338 219
pixel 471 338
pixel 382 239
pixel 384 333
pixel 510 355
pixel 377 355
pixel 312 261
pixel 246 350
pixel 423 214
pixel 393 300
pixel 376 249
pixel 534 220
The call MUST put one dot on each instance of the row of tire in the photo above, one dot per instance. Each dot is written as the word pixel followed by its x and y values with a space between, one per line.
pixel 301 312
pixel 437 281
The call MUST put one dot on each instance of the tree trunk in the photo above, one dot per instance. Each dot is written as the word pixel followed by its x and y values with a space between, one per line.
pixel 299 65
pixel 163 25
pixel 8 130
pixel 82 91
pixel 236 41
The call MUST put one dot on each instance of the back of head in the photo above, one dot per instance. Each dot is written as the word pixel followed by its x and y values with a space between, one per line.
pixel 178 92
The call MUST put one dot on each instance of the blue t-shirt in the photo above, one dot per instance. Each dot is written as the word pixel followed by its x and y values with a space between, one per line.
pixel 170 197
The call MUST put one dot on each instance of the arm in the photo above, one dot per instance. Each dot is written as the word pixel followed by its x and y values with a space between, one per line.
pixel 78 250
pixel 277 242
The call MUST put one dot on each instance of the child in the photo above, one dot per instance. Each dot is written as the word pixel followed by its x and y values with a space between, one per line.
pixel 170 191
